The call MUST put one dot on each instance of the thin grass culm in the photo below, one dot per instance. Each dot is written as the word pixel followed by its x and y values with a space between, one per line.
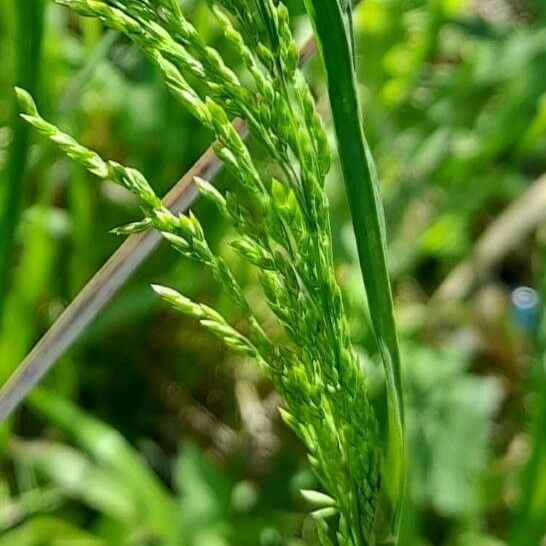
pixel 282 228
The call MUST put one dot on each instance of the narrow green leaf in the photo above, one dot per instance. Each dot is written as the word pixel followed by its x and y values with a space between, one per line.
pixel 78 477
pixel 335 39
pixel 48 530
pixel 28 46
pixel 114 454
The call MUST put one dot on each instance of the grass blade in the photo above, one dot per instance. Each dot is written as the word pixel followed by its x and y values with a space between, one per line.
pixel 28 39
pixel 114 455
pixel 335 39
pixel 45 529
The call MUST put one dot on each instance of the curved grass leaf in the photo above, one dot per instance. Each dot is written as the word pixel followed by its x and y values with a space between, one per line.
pixel 42 530
pixel 334 34
pixel 113 454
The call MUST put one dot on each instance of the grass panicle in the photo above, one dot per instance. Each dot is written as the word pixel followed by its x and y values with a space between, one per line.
pixel 282 228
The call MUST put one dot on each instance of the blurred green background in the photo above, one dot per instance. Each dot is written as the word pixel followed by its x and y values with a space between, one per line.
pixel 149 432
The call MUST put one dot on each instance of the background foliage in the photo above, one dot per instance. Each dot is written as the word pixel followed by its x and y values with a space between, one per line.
pixel 148 430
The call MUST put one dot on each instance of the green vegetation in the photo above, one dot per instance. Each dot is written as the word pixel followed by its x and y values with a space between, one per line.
pixel 161 426
pixel 283 229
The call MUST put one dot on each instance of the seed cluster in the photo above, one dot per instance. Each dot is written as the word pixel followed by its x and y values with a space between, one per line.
pixel 282 226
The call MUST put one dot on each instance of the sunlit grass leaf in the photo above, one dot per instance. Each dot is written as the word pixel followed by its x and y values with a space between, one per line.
pixel 78 477
pixel 108 448
pixel 205 498
pixel 48 530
